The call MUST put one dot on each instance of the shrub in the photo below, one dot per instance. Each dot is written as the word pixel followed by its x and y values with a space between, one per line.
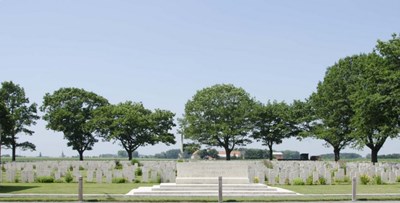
pixel 44 179
pixel 137 181
pixel 398 179
pixel 256 180
pixel 58 181
pixel 81 168
pixel 364 179
pixel 378 180
pixel 68 177
pixel 138 172
pixel 135 161
pixel 298 181
pixel 119 180
pixel 309 180
pixel 180 160
pixel 118 165
pixel 321 181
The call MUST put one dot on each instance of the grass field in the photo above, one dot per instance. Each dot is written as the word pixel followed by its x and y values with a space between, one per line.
pixel 68 188
pixel 115 192
pixel 95 188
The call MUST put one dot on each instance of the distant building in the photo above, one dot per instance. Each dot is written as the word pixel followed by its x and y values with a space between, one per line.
pixel 222 154
pixel 277 155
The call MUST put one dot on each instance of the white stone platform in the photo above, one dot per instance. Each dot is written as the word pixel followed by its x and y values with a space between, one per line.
pixel 201 190
pixel 201 179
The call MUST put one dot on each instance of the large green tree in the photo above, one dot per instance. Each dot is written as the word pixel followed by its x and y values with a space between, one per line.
pixel 18 114
pixel 375 101
pixel 332 108
pixel 273 124
pixel 70 110
pixel 220 116
pixel 134 126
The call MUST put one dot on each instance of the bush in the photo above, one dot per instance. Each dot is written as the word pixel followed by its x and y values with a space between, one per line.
pixel 398 179
pixel 137 181
pixel 44 179
pixel 256 180
pixel 378 180
pixel 298 181
pixel 68 177
pixel 364 179
pixel 321 181
pixel 81 168
pixel 309 180
pixel 135 161
pixel 138 172
pixel 119 180
pixel 118 165
pixel 58 181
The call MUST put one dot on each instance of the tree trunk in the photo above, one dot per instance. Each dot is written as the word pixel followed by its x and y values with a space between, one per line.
pixel 80 155
pixel 129 154
pixel 336 151
pixel 228 154
pixel 14 148
pixel 271 154
pixel 374 155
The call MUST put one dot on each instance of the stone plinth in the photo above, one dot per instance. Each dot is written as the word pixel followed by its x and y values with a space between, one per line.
pixel 205 172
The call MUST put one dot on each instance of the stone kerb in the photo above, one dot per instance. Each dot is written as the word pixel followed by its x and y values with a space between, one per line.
pixel 207 172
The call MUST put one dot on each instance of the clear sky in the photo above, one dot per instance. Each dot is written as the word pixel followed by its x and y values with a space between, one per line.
pixel 161 52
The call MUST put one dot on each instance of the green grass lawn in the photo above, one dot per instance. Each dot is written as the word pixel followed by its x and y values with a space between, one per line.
pixel 68 188
pixel 112 192
pixel 342 189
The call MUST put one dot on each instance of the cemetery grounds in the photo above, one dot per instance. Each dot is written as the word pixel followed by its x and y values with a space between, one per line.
pixel 110 180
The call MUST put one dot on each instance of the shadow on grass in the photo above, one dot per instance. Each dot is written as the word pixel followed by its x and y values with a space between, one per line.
pixel 12 188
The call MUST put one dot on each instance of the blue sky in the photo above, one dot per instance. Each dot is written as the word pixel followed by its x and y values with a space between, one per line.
pixel 161 52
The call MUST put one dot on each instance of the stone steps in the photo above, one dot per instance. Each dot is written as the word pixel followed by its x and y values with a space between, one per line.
pixel 234 190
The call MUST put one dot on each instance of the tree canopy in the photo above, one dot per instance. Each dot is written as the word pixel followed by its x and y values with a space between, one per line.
pixel 273 124
pixel 70 110
pixel 134 126
pixel 332 106
pixel 220 116
pixel 16 114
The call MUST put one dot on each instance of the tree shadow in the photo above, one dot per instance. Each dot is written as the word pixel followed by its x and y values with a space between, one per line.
pixel 12 188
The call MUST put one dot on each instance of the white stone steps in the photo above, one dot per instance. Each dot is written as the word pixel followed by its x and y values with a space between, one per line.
pixel 237 190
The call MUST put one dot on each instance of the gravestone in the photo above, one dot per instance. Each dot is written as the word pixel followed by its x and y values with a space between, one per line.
pixel 109 177
pixel 99 176
pixel 89 176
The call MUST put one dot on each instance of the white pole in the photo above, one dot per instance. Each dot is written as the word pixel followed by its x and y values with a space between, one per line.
pixel 220 189
pixel 354 192
pixel 80 189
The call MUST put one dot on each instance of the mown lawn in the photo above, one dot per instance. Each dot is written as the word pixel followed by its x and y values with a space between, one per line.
pixel 343 189
pixel 68 188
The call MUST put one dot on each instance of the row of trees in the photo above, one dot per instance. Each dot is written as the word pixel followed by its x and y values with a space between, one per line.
pixel 357 104
pixel 83 117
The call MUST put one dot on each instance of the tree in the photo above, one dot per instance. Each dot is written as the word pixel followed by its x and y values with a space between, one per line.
pixel 16 115
pixel 332 108
pixel 254 153
pixel 70 110
pixel 273 124
pixel 375 101
pixel 288 154
pixel 220 116
pixel 134 126
pixel 122 153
